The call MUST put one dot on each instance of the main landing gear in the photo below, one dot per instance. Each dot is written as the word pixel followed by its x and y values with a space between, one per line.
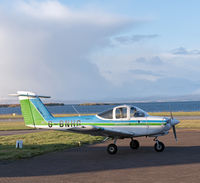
pixel 159 146
pixel 134 144
pixel 112 148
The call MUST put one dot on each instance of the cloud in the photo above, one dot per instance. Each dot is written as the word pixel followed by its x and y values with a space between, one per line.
pixel 121 69
pixel 184 51
pixel 53 49
pixel 44 48
pixel 153 60
pixel 139 74
pixel 144 72
pixel 53 10
pixel 166 86
pixel 134 38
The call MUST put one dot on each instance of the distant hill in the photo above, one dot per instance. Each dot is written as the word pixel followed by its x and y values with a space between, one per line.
pixel 17 105
pixel 87 104
pixel 7 102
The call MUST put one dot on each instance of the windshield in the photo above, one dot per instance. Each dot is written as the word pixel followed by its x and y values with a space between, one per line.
pixel 122 112
pixel 106 114
pixel 137 112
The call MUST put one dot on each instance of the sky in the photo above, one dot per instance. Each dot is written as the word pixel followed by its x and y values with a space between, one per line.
pixel 100 50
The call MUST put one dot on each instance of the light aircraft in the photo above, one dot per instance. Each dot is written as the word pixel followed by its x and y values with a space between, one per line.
pixel 121 122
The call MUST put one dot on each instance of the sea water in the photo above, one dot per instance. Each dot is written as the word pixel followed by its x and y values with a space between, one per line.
pixel 148 106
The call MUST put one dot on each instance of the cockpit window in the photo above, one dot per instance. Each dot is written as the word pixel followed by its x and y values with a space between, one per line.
pixel 107 114
pixel 139 114
pixel 121 112
pixel 135 112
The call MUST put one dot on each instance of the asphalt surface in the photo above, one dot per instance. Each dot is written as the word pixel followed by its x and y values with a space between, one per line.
pixel 180 162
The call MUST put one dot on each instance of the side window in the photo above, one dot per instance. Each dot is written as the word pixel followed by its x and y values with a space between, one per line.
pixel 139 114
pixel 133 111
pixel 121 113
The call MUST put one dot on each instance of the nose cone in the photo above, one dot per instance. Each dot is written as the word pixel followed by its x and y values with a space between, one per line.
pixel 174 122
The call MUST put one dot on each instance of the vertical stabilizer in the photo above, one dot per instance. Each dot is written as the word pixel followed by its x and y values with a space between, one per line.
pixel 33 110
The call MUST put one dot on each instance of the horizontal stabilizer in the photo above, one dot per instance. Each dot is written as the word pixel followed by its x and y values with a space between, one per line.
pixel 28 94
pixel 33 110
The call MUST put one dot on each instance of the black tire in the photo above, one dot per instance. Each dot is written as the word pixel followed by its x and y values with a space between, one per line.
pixel 112 149
pixel 134 144
pixel 159 146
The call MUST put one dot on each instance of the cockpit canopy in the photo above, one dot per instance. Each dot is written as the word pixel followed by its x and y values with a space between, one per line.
pixel 123 112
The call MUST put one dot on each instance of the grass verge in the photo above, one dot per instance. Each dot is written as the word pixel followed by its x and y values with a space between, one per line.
pixel 42 142
pixel 194 113
pixel 21 126
pixel 190 124
pixel 17 116
pixel 48 141
pixel 10 116
pixel 18 125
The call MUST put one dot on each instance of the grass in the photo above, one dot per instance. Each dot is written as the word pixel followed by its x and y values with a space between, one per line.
pixel 12 125
pixel 10 116
pixel 48 141
pixel 20 125
pixel 194 113
pixel 17 116
pixel 189 124
pixel 4 126
pixel 184 123
pixel 42 142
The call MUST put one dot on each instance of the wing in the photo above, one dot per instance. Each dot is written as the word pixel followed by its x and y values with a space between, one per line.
pixel 99 131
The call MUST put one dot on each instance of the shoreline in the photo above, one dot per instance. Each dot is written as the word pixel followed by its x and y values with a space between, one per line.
pixel 18 105
pixel 165 113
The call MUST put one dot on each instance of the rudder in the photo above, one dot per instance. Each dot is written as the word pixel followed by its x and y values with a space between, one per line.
pixel 33 110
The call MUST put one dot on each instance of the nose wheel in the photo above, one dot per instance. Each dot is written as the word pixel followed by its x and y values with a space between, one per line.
pixel 159 146
pixel 134 144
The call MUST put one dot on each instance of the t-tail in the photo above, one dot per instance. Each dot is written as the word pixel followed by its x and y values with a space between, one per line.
pixel 33 110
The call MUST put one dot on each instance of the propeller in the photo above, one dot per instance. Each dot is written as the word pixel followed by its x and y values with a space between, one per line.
pixel 172 120
pixel 171 115
pixel 174 131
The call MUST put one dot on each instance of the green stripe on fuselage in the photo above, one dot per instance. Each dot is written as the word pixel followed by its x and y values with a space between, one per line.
pixel 111 123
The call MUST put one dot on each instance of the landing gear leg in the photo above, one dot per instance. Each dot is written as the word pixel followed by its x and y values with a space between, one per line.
pixel 112 148
pixel 134 144
pixel 159 146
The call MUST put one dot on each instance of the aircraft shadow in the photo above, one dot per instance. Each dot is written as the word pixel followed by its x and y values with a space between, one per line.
pixel 95 158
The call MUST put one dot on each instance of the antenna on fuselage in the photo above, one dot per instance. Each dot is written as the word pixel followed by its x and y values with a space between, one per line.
pixel 76 110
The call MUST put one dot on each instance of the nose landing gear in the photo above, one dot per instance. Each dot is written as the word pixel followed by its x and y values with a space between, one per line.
pixel 134 144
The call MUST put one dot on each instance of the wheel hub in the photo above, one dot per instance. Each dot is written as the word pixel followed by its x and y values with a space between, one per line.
pixel 111 149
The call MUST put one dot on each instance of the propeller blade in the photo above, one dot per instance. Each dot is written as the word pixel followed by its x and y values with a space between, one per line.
pixel 171 115
pixel 174 131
